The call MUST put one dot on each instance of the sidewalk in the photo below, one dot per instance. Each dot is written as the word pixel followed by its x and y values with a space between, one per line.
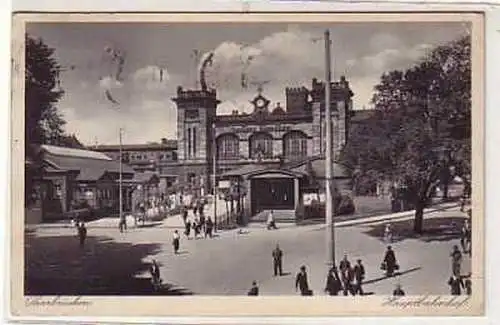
pixel 176 222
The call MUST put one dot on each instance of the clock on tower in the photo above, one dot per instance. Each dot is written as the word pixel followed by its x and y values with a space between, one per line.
pixel 260 103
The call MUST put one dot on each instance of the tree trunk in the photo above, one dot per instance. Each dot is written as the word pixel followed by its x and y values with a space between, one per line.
pixel 419 217
pixel 445 190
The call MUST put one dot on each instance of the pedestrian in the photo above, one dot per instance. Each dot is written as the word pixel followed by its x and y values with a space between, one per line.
pixel 184 214
pixel 278 261
pixel 456 260
pixel 346 273
pixel 468 286
pixel 389 263
pixel 122 224
pixel 155 275
pixel 209 227
pixel 194 209
pixel 302 283
pixel 333 283
pixel 176 242
pixel 466 235
pixel 202 223
pixel 456 284
pixel 187 229
pixel 271 223
pixel 196 227
pixel 82 233
pixel 254 290
pixel 398 291
pixel 359 276
pixel 388 235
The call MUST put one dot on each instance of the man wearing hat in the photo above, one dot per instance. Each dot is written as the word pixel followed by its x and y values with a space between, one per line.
pixel 301 282
pixel 359 276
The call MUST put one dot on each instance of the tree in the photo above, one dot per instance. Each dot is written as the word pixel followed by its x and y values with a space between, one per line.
pixel 71 141
pixel 420 127
pixel 43 124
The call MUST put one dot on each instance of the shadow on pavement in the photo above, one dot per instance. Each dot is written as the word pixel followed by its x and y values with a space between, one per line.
pixel 57 265
pixel 396 274
pixel 435 229
pixel 149 225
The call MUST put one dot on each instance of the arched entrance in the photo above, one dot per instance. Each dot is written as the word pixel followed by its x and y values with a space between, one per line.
pixel 273 190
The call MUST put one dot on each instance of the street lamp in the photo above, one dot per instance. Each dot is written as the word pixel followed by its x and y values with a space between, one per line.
pixel 330 236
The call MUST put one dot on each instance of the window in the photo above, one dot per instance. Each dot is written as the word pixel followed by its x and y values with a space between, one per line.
pixel 228 147
pixel 294 144
pixel 191 178
pixel 192 114
pixel 188 142
pixel 261 145
pixel 194 142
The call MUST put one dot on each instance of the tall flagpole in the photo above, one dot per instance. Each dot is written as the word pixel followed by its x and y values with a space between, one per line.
pixel 214 173
pixel 330 236
pixel 120 182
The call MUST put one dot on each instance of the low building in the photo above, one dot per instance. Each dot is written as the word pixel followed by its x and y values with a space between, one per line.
pixel 74 179
pixel 148 157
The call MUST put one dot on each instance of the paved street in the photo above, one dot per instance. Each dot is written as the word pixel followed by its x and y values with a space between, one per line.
pixel 228 263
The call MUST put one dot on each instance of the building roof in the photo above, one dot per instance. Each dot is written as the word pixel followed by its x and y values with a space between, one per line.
pixel 145 177
pixel 318 166
pixel 169 144
pixel 76 153
pixel 90 165
pixel 245 169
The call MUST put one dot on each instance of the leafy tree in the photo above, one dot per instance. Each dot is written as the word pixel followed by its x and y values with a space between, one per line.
pixel 420 128
pixel 70 141
pixel 43 124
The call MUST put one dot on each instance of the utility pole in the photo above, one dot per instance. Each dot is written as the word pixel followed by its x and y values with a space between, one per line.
pixel 214 173
pixel 120 182
pixel 330 235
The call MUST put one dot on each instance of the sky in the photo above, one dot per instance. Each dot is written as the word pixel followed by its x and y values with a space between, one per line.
pixel 279 55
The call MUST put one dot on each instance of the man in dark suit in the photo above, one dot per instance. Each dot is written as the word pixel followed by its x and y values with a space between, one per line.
pixel 359 276
pixel 82 233
pixel 456 284
pixel 277 260
pixel 390 261
pixel 346 275
pixel 301 282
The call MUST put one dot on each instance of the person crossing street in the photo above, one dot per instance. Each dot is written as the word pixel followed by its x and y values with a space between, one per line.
pixel 359 276
pixel 278 261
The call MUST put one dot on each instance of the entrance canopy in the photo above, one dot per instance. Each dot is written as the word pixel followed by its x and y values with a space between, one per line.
pixel 274 174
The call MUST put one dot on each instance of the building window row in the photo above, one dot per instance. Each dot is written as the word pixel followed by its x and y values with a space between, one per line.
pixel 261 146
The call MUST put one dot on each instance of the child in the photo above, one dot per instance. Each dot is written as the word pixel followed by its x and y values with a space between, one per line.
pixel 176 242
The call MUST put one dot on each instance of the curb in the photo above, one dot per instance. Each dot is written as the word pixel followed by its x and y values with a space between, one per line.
pixel 395 216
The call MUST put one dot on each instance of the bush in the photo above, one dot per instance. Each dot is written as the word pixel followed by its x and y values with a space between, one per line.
pixel 344 205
